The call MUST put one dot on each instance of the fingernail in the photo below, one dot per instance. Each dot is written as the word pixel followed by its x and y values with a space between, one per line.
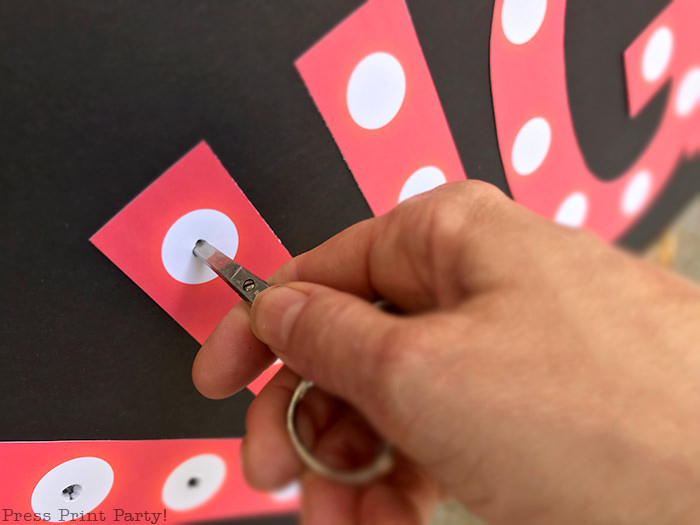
pixel 273 315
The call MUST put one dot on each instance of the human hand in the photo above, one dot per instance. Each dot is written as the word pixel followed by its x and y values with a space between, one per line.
pixel 538 375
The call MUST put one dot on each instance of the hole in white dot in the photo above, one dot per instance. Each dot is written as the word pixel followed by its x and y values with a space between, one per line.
pixel 521 19
pixel 194 482
pixel 636 193
pixel 531 146
pixel 376 90
pixel 573 211
pixel 176 252
pixel 72 492
pixel 657 54
pixel 79 485
pixel 423 179
pixel 688 96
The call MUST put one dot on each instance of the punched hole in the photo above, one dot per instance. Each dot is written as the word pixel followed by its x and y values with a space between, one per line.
pixel 72 492
pixel 193 482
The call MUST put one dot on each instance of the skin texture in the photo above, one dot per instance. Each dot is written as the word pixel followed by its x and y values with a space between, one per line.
pixel 536 374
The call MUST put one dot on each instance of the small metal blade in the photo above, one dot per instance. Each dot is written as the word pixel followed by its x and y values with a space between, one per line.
pixel 244 283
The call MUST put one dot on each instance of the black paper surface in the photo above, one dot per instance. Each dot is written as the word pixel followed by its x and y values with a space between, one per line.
pixel 99 98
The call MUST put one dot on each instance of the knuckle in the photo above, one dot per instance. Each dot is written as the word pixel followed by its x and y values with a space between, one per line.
pixel 471 193
pixel 480 190
pixel 473 201
pixel 479 198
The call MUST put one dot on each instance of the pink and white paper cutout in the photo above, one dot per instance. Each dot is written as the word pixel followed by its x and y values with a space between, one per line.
pixel 151 240
pixel 371 84
pixel 541 156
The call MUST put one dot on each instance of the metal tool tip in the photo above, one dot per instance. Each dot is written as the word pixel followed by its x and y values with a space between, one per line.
pixel 197 245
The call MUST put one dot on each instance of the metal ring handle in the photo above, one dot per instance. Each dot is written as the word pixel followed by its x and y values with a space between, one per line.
pixel 380 466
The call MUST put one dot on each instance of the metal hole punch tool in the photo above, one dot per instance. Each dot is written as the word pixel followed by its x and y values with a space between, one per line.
pixel 248 286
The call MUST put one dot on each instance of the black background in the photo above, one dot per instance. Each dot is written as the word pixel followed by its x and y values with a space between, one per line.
pixel 97 99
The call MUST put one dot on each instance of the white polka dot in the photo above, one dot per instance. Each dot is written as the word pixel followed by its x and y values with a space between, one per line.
pixel 423 179
pixel 288 493
pixel 194 482
pixel 176 251
pixel 573 210
pixel 688 96
pixel 521 19
pixel 657 54
pixel 78 485
pixel 376 90
pixel 531 146
pixel 636 193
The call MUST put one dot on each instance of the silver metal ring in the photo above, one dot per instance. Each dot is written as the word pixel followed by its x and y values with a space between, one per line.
pixel 381 465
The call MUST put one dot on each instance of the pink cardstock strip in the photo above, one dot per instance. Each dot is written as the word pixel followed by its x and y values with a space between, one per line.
pixel 151 240
pixel 661 52
pixel 370 82
pixel 668 52
pixel 541 155
pixel 173 480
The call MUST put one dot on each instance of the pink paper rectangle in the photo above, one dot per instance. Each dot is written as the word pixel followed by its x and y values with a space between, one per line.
pixel 199 195
pixel 354 74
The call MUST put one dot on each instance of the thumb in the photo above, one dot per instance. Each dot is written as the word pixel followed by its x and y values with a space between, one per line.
pixel 339 341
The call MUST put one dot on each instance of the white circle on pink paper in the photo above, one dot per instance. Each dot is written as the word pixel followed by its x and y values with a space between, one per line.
pixel 93 476
pixel 176 251
pixel 522 19
pixel 657 54
pixel 531 146
pixel 193 482
pixel 688 95
pixel 423 179
pixel 636 193
pixel 572 212
pixel 376 90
